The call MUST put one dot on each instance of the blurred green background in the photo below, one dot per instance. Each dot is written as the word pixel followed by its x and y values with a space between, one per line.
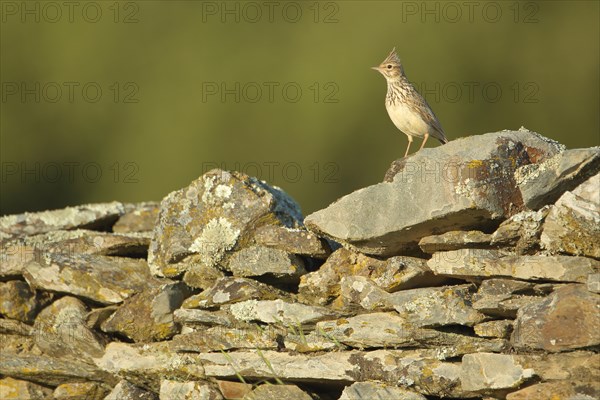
pixel 128 101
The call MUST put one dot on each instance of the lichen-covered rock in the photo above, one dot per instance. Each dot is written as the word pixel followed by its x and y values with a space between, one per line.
pixel 573 224
pixel 279 312
pixel 522 231
pixel 479 263
pixel 259 261
pixel 60 330
pixel 397 273
pixel 503 297
pixel 19 302
pixel 148 364
pixel 228 290
pixel 277 392
pixel 214 215
pixel 202 318
pixel 128 391
pixel 90 216
pixel 148 316
pixel 557 390
pixel 543 183
pixel 455 240
pixel 14 389
pixel 294 241
pixel 106 280
pixel 488 371
pixel 467 184
pixel 501 328
pixel 141 218
pixel 431 307
pixel 51 371
pixel 201 390
pixel 224 339
pixel 81 391
pixel 376 390
pixel 567 319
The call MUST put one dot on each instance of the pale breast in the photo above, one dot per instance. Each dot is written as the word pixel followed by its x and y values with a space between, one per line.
pixel 407 120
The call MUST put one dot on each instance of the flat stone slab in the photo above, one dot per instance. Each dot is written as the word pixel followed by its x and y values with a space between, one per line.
pixel 455 240
pixel 107 280
pixel 479 263
pixel 279 312
pixel 88 216
pixel 489 371
pixel 466 184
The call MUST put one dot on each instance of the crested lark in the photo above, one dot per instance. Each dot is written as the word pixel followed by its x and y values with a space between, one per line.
pixel 407 108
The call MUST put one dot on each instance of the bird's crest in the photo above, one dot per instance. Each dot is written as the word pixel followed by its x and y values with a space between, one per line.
pixel 392 57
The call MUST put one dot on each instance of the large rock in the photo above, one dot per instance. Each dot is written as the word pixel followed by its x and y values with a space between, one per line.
pixel 213 215
pixel 565 320
pixel 544 183
pixel 573 224
pixel 376 390
pixel 14 389
pixel 467 184
pixel 19 302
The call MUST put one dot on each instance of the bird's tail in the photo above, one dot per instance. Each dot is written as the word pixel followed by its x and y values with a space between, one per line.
pixel 443 140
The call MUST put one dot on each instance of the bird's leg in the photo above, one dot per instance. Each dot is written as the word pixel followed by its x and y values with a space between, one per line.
pixel 410 139
pixel 424 140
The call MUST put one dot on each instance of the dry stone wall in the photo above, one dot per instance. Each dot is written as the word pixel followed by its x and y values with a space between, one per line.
pixel 472 271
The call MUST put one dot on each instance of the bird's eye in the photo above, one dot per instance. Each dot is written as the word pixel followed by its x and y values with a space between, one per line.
pixel 389 66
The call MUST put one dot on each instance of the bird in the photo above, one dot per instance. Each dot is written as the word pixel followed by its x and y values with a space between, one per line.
pixel 407 109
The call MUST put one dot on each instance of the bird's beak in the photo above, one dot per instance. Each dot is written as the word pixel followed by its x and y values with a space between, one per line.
pixel 376 68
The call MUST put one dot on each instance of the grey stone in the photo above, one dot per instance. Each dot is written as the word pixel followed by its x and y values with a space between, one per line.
pixel 455 240
pixel 593 282
pixel 257 261
pixel 295 241
pixel 107 280
pixel 192 317
pixel 485 371
pixel 573 224
pixel 224 339
pixel 228 290
pixel 51 371
pixel 521 231
pixel 89 216
pixel 81 391
pixel 501 328
pixel 466 184
pixel 61 331
pixel 200 390
pixel 279 312
pixel 479 263
pixel 378 391
pixel 148 364
pixel 567 319
pixel 142 218
pixel 127 391
pixel 213 215
pixel 148 316
pixel 277 392
pixel 431 307
pixel 545 182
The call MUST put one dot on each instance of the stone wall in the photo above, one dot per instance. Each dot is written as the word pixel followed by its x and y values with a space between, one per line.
pixel 472 271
